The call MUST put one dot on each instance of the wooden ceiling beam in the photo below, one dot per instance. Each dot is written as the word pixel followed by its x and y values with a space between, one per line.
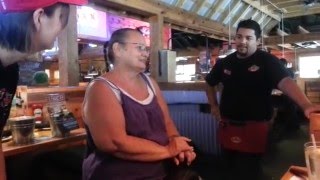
pixel 192 31
pixel 188 52
pixel 308 50
pixel 273 47
pixel 264 9
pixel 301 11
pixel 299 7
pixel 284 4
pixel 293 38
pixel 171 15
pixel 276 2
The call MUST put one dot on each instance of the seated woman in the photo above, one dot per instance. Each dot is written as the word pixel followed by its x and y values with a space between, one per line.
pixel 130 132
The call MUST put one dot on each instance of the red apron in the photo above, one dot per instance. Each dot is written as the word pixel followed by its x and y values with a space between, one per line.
pixel 249 136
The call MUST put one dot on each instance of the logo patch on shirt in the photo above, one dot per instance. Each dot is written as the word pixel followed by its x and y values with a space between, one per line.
pixel 253 68
pixel 227 72
pixel 236 139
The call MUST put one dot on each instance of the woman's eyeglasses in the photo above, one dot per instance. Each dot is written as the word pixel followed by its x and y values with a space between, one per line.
pixel 140 47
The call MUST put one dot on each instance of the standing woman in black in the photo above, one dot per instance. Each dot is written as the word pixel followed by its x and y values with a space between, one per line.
pixel 26 27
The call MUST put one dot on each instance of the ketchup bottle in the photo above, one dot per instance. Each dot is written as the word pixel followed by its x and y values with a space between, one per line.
pixel 37 112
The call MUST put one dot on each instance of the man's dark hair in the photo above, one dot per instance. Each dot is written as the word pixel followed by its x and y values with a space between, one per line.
pixel 250 24
pixel 16 28
pixel 283 61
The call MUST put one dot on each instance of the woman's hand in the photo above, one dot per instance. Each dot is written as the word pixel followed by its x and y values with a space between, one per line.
pixel 179 144
pixel 186 156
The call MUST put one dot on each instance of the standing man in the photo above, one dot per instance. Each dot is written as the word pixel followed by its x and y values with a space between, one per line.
pixel 248 77
pixel 27 26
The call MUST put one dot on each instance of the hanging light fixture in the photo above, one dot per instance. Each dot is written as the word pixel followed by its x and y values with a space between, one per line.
pixel 230 50
pixel 282 35
pixel 262 33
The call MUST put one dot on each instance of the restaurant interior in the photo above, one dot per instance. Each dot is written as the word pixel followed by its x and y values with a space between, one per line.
pixel 186 38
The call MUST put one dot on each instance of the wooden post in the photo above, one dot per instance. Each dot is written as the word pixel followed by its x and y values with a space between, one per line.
pixel 68 52
pixel 156 43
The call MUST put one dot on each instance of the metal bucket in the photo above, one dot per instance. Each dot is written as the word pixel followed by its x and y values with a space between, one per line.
pixel 22 129
pixel 57 129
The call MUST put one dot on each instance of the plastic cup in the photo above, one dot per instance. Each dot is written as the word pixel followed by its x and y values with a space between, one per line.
pixel 312 155
pixel 315 125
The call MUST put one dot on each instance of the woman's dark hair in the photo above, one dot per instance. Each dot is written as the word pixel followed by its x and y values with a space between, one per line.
pixel 250 24
pixel 118 36
pixel 16 28
pixel 105 54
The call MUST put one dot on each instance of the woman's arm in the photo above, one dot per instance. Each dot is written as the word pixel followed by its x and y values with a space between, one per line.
pixel 104 116
pixel 170 126
pixel 172 131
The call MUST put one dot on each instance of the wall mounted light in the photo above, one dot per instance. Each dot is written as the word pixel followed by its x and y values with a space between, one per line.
pixel 47 71
pixel 56 74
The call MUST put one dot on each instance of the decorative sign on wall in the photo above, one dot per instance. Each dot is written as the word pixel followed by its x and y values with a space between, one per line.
pixel 27 69
pixel 92 24
pixel 116 22
pixel 99 25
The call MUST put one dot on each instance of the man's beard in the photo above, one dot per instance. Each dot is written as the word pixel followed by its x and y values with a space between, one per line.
pixel 242 53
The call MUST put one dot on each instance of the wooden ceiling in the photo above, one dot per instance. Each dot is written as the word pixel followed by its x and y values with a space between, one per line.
pixel 295 8
pixel 219 18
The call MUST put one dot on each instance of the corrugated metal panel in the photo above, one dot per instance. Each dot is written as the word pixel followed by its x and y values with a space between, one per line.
pixel 255 14
pixel 257 17
pixel 170 2
pixel 203 10
pixel 211 1
pixel 200 127
pixel 265 22
pixel 243 16
pixel 270 25
pixel 187 5
pixel 222 7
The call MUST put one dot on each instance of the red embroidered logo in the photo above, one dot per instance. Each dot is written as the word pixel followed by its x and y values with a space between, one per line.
pixel 253 68
pixel 227 72
pixel 236 139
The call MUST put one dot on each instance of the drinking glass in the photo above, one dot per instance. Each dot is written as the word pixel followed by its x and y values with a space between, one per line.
pixel 312 155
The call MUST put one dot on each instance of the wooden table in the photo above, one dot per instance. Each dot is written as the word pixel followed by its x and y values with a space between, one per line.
pixel 44 142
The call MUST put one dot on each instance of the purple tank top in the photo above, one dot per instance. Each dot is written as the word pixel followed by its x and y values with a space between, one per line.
pixel 142 120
